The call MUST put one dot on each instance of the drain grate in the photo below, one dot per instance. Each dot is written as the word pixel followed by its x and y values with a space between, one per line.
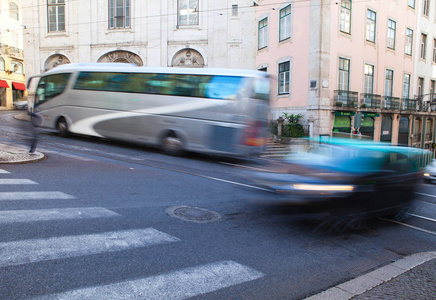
pixel 193 214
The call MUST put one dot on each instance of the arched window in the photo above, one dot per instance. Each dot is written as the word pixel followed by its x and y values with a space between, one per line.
pixel 2 64
pixel 13 11
pixel 121 56
pixel 17 67
pixel 188 58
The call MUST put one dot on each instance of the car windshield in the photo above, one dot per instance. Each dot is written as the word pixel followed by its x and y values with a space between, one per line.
pixel 339 158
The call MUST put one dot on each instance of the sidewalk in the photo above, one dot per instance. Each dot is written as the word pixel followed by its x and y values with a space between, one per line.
pixel 17 155
pixel 413 277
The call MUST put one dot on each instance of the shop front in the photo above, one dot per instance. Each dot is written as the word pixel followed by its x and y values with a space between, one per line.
pixel 342 122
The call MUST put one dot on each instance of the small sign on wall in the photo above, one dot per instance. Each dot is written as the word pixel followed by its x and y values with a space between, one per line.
pixel 385 132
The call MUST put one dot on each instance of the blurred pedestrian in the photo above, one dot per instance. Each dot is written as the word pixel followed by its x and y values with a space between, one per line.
pixel 35 121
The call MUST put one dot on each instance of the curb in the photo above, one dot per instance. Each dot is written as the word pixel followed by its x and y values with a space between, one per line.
pixel 375 278
pixel 15 155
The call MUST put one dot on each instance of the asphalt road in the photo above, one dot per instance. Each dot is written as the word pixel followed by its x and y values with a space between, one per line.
pixel 98 218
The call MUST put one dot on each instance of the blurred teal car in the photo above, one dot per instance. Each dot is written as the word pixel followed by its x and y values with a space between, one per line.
pixel 344 177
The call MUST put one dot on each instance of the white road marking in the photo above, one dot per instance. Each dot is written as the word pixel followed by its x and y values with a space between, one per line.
pixel 36 250
pixel 422 217
pixel 17 181
pixel 425 195
pixel 410 226
pixel 179 284
pixel 4 172
pixel 243 167
pixel 34 196
pixel 68 155
pixel 235 183
pixel 23 216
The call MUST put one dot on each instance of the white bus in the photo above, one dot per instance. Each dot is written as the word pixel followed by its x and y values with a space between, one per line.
pixel 215 111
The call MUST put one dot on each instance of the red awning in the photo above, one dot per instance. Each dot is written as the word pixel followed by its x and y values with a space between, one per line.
pixel 19 86
pixel 4 84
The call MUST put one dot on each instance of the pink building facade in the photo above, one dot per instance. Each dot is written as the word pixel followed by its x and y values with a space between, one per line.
pixel 352 66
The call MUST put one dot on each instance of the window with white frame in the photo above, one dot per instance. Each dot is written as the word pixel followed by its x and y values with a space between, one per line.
pixel 370 25
pixel 345 16
pixel 2 64
pixel 263 33
pixel 411 3
pixel 344 74
pixel 409 41
pixel 284 77
pixel 56 15
pixel 425 7
pixel 13 11
pixel 234 10
pixel 406 86
pixel 434 51
pixel 389 83
pixel 285 23
pixel 432 88
pixel 423 45
pixel 16 67
pixel 390 41
pixel 368 87
pixel 188 12
pixel 119 14
pixel 420 86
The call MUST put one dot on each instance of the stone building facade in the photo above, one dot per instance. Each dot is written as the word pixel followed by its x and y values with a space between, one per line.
pixel 173 33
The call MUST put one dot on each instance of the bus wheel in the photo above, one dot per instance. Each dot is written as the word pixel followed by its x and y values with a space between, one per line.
pixel 62 127
pixel 172 144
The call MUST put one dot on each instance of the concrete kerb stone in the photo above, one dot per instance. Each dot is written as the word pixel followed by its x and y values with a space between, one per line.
pixel 375 278
pixel 14 155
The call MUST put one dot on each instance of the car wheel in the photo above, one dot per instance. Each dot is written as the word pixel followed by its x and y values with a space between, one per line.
pixel 172 144
pixel 62 127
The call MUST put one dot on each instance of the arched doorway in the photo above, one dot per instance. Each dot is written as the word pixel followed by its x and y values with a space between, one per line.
pixel 188 58
pixel 54 61
pixel 386 129
pixel 367 128
pixel 121 56
pixel 403 131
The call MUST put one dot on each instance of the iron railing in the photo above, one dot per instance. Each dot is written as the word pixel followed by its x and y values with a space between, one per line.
pixel 370 100
pixel 346 99
pixel 391 103
pixel 409 104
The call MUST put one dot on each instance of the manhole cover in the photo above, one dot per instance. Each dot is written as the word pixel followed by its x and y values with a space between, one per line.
pixel 193 214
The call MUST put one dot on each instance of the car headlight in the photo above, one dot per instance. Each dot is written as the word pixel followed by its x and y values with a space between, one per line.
pixel 324 187
pixel 426 174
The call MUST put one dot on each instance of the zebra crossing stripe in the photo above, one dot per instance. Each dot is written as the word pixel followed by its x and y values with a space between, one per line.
pixel 4 172
pixel 36 250
pixel 34 195
pixel 180 284
pixel 23 216
pixel 17 181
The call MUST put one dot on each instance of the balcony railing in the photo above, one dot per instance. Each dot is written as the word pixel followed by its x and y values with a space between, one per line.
pixel 12 51
pixel 416 137
pixel 409 104
pixel 429 136
pixel 391 103
pixel 370 101
pixel 346 99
